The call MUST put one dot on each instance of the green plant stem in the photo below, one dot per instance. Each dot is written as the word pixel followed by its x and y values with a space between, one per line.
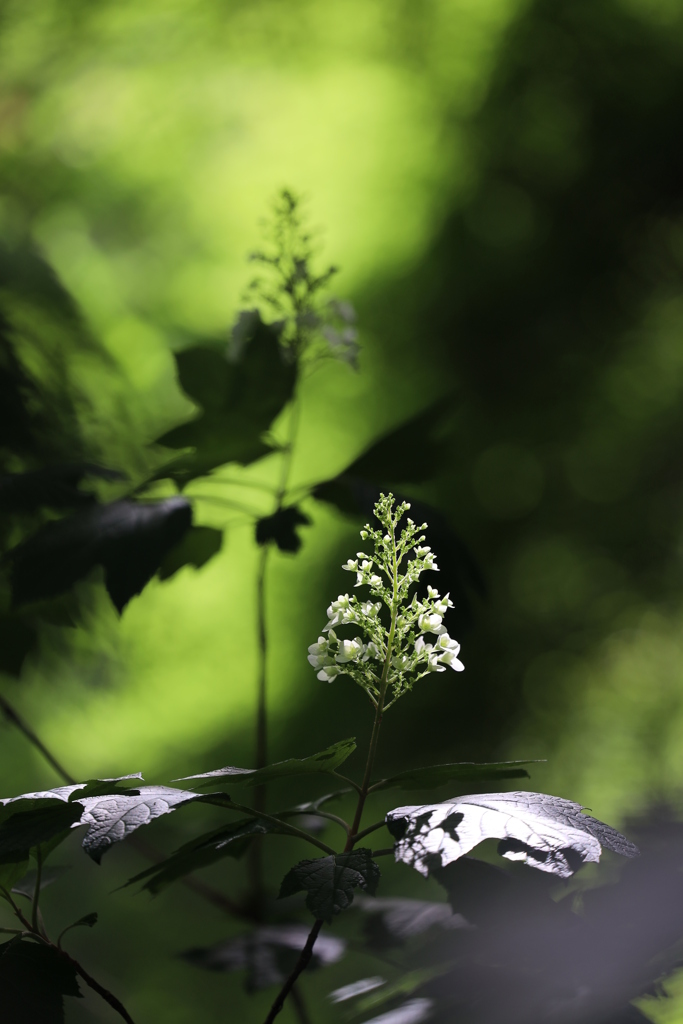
pixel 291 830
pixel 349 782
pixel 36 891
pixel 255 855
pixel 103 992
pixel 367 831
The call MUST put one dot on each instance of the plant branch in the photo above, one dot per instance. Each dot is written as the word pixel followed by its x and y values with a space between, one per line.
pixel 291 830
pixel 349 782
pixel 13 716
pixel 301 965
pixel 103 992
pixel 36 891
pixel 367 831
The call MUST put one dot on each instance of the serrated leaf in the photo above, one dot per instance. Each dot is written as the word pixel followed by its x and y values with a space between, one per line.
pixel 128 539
pixel 34 978
pixel 267 954
pixel 113 818
pixel 467 771
pixel 238 401
pixel 545 832
pixel 33 819
pixel 325 761
pixel 329 881
pixel 228 841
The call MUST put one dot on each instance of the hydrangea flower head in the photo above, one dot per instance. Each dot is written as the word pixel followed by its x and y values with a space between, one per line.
pixel 393 652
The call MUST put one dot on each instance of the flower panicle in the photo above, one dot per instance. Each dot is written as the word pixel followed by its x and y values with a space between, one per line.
pixel 420 643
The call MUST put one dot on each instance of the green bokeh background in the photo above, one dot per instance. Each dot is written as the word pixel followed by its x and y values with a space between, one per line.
pixel 498 182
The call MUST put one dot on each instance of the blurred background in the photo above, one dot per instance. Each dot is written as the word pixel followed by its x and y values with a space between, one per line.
pixel 501 184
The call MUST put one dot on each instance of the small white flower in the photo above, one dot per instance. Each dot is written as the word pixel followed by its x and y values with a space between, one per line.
pixel 375 581
pixel 317 653
pixel 431 624
pixel 423 551
pixel 433 593
pixel 351 565
pixel 349 650
pixel 329 673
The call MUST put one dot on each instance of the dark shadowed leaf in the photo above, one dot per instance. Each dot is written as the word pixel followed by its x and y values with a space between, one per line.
pixel 439 774
pixel 54 487
pixel 18 637
pixel 34 978
pixel 281 527
pixel 400 918
pixel 325 761
pixel 545 832
pixel 238 401
pixel 26 886
pixel 267 954
pixel 228 841
pixel 329 881
pixel 197 547
pixel 129 539
pixel 413 1012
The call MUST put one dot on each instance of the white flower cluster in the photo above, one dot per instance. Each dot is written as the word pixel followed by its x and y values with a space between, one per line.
pixel 388 658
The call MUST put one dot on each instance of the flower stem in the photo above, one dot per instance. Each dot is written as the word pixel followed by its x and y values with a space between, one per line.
pixel 307 951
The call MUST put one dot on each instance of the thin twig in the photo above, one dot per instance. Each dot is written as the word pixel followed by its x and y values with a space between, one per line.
pixel 13 716
pixel 299 1005
pixel 103 992
pixel 366 831
pixel 283 827
pixel 301 965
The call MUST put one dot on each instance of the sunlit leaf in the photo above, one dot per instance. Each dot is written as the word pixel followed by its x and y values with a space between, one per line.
pixel 325 761
pixel 545 832
pixel 439 774
pixel 329 881
pixel 110 814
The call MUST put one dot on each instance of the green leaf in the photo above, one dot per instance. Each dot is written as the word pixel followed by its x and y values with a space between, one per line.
pixel 465 771
pixel 26 884
pixel 34 978
pixel 238 402
pixel 329 881
pixel 12 873
pixel 324 762
pixel 228 841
